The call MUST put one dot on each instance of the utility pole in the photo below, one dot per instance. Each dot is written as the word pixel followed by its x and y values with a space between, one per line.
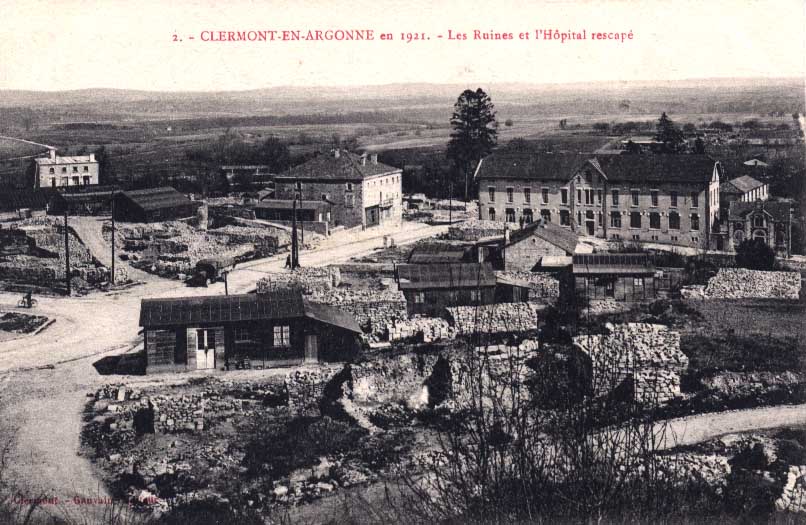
pixel 450 202
pixel 294 247
pixel 226 285
pixel 66 252
pixel 112 277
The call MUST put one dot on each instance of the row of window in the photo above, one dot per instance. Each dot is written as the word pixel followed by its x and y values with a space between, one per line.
pixel 65 181
pixel 589 195
pixel 281 336
pixel 615 218
pixel 86 169
pixel 475 295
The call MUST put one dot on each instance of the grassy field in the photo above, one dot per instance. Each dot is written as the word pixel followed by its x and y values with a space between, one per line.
pixel 10 148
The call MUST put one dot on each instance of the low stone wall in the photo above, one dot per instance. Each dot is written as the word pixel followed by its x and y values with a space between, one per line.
pixel 373 310
pixel 741 283
pixel 430 328
pixel 396 379
pixel 305 388
pixel 495 318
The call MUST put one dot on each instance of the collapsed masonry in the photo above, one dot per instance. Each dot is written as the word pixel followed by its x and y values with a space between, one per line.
pixel 644 356
pixel 473 230
pixel 495 318
pixel 741 283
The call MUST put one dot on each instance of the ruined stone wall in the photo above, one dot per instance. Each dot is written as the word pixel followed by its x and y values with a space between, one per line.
pixel 495 318
pixel 542 285
pixel 740 283
pixel 429 328
pixel 309 280
pixel 305 387
pixel 647 354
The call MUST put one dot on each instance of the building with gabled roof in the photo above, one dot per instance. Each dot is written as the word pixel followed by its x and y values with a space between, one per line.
pixel 662 198
pixel 244 331
pixel 618 276
pixel 153 204
pixel 527 246
pixel 56 171
pixel 429 289
pixel 770 221
pixel 359 190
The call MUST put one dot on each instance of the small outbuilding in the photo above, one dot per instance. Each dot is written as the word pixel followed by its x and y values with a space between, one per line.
pixel 153 204
pixel 430 288
pixel 528 245
pixel 82 200
pixel 244 331
pixel 619 276
pixel 442 253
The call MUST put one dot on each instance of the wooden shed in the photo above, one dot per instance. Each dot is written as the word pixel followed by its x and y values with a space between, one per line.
pixel 153 204
pixel 619 276
pixel 429 289
pixel 244 331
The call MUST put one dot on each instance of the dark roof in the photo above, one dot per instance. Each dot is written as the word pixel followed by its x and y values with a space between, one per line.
pixel 728 187
pixel 35 199
pixel 288 204
pixel 778 210
pixel 617 168
pixel 464 275
pixel 331 315
pixel 612 263
pixel 657 168
pixel 281 304
pixel 157 198
pixel 437 253
pixel 529 166
pixel 347 166
pixel 746 183
pixel 548 231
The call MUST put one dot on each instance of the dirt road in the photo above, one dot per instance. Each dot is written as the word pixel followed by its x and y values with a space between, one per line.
pixel 44 379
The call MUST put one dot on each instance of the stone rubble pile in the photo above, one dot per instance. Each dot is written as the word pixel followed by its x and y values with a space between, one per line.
pixel 429 328
pixel 793 496
pixel 741 283
pixel 473 230
pixel 647 354
pixel 495 318
pixel 542 285
pixel 309 280
pixel 605 306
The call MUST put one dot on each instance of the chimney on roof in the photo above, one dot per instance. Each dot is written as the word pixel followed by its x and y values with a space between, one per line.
pixel 336 153
pixel 92 157
pixel 374 158
pixel 53 154
pixel 363 159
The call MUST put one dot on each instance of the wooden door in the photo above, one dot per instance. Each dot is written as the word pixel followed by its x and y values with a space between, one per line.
pixel 311 348
pixel 205 348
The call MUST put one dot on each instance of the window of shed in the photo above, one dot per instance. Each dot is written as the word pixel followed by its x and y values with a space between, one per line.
pixel 282 336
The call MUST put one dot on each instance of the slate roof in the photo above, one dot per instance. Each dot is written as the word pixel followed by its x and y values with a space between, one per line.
pixel 13 200
pixel 346 167
pixel 529 166
pixel 331 315
pixel 282 304
pixel 75 159
pixel 612 264
pixel 548 231
pixel 728 187
pixel 617 168
pixel 437 254
pixel 157 198
pixel 778 210
pixel 288 204
pixel 657 168
pixel 464 275
pixel 746 183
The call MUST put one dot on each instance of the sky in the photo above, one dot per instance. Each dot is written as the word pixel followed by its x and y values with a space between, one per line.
pixel 73 44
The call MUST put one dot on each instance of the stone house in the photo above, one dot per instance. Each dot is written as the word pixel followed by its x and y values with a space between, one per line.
pixel 643 358
pixel 765 220
pixel 55 171
pixel 617 276
pixel 660 198
pixel 243 331
pixel 357 189
pixel 526 247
